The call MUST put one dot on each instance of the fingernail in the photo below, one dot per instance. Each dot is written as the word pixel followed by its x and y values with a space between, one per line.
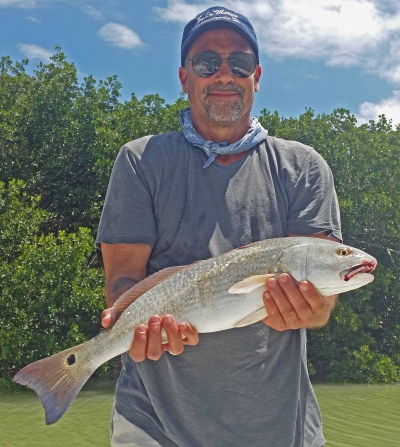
pixel 267 295
pixel 184 327
pixel 283 279
pixel 155 320
pixel 141 329
pixel 167 319
pixel 303 287
pixel 271 283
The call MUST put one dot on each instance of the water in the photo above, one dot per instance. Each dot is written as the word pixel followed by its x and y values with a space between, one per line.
pixel 85 424
pixel 360 415
pixel 354 416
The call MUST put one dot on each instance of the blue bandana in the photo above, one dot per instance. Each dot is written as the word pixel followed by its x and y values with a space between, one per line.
pixel 254 136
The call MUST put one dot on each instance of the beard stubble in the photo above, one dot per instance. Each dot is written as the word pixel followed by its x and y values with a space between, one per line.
pixel 224 112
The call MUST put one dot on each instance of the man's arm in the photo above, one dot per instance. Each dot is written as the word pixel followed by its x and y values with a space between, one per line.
pixel 292 306
pixel 125 265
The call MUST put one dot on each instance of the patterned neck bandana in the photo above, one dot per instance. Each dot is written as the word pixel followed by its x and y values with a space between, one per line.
pixel 254 136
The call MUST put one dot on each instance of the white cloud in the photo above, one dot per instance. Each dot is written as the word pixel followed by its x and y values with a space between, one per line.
pixel 37 3
pixel 119 36
pixel 32 19
pixel 180 11
pixel 93 12
pixel 363 33
pixel 390 107
pixel 35 52
pixel 19 3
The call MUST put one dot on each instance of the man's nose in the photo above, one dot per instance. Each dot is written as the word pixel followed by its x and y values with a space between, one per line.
pixel 224 73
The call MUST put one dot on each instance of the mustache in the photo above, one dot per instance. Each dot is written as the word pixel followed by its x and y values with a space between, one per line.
pixel 224 88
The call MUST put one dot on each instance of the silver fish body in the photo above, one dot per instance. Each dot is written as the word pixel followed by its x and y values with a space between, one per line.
pixel 213 295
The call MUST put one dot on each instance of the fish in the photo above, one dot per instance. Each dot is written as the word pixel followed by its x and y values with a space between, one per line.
pixel 216 294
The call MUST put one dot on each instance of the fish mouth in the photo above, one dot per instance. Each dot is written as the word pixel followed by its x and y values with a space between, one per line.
pixel 365 267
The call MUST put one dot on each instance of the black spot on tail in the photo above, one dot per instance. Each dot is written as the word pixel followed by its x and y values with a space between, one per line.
pixel 71 359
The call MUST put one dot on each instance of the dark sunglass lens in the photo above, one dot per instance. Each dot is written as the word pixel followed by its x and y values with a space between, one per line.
pixel 206 64
pixel 242 65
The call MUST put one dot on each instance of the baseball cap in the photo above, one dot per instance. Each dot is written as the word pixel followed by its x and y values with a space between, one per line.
pixel 217 17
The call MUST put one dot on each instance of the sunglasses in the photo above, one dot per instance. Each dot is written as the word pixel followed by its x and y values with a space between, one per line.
pixel 207 63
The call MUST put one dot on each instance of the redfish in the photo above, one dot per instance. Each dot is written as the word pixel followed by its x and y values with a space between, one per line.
pixel 216 294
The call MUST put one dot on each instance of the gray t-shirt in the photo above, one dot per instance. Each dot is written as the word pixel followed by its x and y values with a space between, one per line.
pixel 240 387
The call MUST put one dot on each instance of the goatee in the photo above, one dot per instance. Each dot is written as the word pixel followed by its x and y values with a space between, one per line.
pixel 224 112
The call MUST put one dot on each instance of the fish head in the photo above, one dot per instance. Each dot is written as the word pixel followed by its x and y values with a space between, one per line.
pixel 330 266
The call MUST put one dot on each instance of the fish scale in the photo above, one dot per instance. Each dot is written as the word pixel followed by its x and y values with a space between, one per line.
pixel 212 295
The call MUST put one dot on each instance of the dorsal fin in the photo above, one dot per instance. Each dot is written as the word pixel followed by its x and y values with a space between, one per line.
pixel 248 245
pixel 139 289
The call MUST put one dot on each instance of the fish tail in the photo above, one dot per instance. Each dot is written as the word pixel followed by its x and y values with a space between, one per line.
pixel 58 379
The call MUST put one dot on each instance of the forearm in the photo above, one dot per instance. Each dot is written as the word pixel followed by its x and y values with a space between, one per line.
pixel 125 265
pixel 329 305
pixel 117 286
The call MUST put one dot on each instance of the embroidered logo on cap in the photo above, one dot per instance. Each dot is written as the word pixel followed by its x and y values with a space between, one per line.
pixel 217 14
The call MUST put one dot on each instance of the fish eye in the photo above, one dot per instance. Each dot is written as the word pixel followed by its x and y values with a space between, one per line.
pixel 344 251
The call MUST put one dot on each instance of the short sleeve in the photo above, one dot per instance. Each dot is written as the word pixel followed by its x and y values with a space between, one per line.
pixel 127 216
pixel 313 205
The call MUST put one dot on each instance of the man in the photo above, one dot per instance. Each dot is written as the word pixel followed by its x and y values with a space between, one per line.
pixel 176 198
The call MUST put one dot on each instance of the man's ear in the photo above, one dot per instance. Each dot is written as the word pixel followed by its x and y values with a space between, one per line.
pixel 183 79
pixel 257 76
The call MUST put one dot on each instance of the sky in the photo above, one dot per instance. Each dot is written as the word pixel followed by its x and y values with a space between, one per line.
pixel 318 54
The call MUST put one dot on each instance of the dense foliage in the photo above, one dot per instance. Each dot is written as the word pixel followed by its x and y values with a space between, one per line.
pixel 361 343
pixel 58 141
pixel 50 296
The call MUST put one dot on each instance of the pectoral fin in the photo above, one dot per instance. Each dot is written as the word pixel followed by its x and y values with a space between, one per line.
pixel 251 283
pixel 253 318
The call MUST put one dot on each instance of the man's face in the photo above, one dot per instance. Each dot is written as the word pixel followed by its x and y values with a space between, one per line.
pixel 223 98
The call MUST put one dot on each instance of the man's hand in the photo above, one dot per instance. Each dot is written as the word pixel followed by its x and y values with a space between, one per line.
pixel 292 306
pixel 147 339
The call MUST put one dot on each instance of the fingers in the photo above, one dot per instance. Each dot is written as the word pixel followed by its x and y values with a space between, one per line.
pixel 192 336
pixel 291 306
pixel 139 345
pixel 106 320
pixel 175 342
pixel 154 347
pixel 311 294
pixel 147 340
pixel 274 318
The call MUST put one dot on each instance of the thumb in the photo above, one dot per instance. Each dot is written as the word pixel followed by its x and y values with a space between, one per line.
pixel 106 319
